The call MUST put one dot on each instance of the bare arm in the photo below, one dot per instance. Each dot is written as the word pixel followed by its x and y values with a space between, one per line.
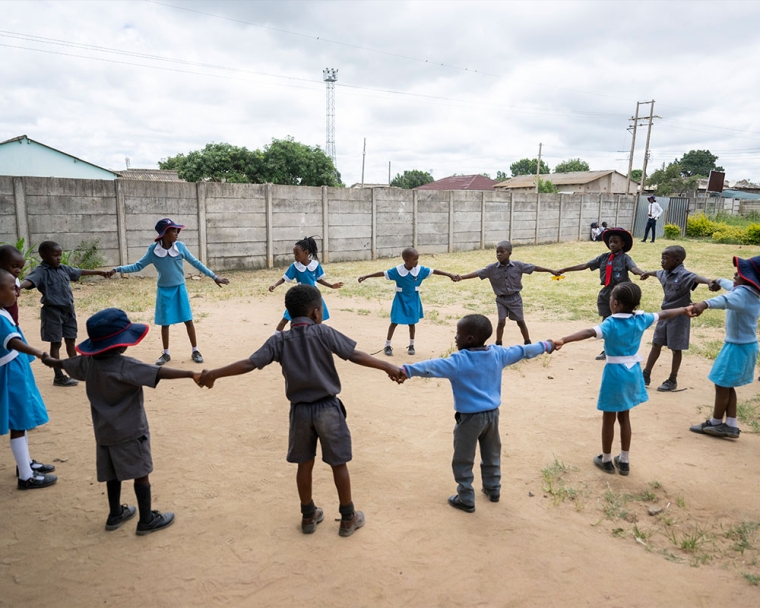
pixel 22 347
pixel 443 273
pixel 549 270
pixel 674 312
pixel 361 358
pixel 636 270
pixel 712 284
pixel 99 273
pixel 374 275
pixel 25 284
pixel 573 268
pixel 168 373
pixel 469 275
pixel 330 285
pixel 208 377
pixel 276 285
pixel 584 334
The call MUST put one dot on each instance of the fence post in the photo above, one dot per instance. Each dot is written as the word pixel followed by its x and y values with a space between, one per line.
pixel 617 209
pixel 511 213
pixel 559 224
pixel 325 226
pixel 22 219
pixel 202 238
pixel 580 217
pixel 121 222
pixel 415 207
pixel 483 219
pixel 451 221
pixel 538 215
pixel 270 242
pixel 374 226
pixel 599 218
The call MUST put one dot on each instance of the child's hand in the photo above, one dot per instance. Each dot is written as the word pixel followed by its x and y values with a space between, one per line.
pixel 206 379
pixel 644 276
pixel 557 343
pixel 714 285
pixel 271 288
pixel 337 285
pixel 362 278
pixel 397 374
pixel 556 273
pixel 220 281
pixel 47 360
pixel 197 379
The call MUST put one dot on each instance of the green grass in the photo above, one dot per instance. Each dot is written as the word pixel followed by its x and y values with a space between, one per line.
pixel 743 535
pixel 555 483
pixel 748 412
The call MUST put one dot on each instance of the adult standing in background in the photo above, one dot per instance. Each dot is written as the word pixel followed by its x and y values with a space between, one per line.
pixel 655 211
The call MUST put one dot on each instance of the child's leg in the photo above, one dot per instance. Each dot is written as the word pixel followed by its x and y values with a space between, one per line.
pixel 55 350
pixel 142 492
pixel 412 331
pixel 676 364
pixel 20 449
pixel 164 339
pixel 391 329
pixel 466 433
pixel 624 420
pixel 281 325
pixel 608 434
pixel 342 484
pixel 500 330
pixel 303 481
pixel 113 487
pixel 71 349
pixel 490 454
pixel 654 354
pixel 524 331
pixel 723 401
pixel 190 326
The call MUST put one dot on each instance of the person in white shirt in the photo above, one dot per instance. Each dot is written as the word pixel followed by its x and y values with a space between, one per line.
pixel 654 212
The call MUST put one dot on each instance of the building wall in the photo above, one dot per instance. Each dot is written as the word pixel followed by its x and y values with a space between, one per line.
pixel 28 158
pixel 249 226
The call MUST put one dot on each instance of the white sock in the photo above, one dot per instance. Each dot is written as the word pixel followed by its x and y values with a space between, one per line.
pixel 606 457
pixel 277 331
pixel 732 422
pixel 166 351
pixel 21 453
pixel 26 438
pixel 387 342
pixel 624 456
pixel 411 342
pixel 715 421
pixel 195 349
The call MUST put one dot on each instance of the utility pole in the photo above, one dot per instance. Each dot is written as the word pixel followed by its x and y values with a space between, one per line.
pixel 538 167
pixel 633 147
pixel 646 149
pixel 364 155
pixel 389 173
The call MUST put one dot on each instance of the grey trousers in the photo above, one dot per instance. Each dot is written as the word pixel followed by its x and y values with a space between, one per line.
pixel 470 430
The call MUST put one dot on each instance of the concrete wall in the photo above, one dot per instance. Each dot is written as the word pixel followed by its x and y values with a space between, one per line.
pixel 249 226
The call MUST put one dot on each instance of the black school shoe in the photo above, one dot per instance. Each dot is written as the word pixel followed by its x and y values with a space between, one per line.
pixel 115 522
pixel 623 467
pixel 64 380
pixel 493 496
pixel 457 503
pixel 309 524
pixel 607 467
pixel 36 482
pixel 38 467
pixel 158 522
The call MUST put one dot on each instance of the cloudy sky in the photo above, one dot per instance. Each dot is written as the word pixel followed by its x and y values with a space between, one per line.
pixel 450 87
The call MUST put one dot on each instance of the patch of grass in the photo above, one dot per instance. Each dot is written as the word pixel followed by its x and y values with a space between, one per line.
pixel 743 535
pixel 681 502
pixel 689 541
pixel 641 534
pixel 749 413
pixel 752 579
pixel 709 349
pixel 554 482
pixel 363 312
pixel 615 504
pixel 645 496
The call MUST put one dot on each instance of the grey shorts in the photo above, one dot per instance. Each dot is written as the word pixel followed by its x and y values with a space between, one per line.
pixel 57 323
pixel 510 307
pixel 324 420
pixel 673 333
pixel 130 460
pixel 603 302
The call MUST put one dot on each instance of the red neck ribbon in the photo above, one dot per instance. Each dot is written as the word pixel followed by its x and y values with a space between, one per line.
pixel 608 270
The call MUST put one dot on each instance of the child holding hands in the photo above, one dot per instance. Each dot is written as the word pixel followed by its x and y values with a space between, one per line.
pixel 622 385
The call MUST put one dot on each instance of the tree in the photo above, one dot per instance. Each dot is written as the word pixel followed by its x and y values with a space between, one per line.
pixel 698 163
pixel 286 161
pixel 670 180
pixel 527 166
pixel 412 179
pixel 573 164
pixel 501 176
pixel 546 187
pixel 220 162
pixel 636 175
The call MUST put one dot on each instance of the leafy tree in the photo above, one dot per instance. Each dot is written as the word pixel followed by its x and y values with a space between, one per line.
pixel 698 162
pixel 412 179
pixel 527 166
pixel 488 175
pixel 574 164
pixel 636 175
pixel 546 187
pixel 670 180
pixel 286 161
pixel 501 176
pixel 220 162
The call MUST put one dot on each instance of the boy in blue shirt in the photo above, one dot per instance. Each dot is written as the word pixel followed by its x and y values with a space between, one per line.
pixel 475 376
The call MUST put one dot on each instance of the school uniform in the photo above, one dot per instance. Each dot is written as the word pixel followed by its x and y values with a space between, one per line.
pixel 735 364
pixel 21 405
pixel 506 282
pixel 305 353
pixel 172 301
pixel 622 380
pixel 407 305
pixel 677 284
pixel 57 318
pixel 13 308
pixel 306 275
pixel 613 270
pixel 114 388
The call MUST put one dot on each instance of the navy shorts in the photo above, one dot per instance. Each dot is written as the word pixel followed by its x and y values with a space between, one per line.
pixel 129 460
pixel 57 323
pixel 324 420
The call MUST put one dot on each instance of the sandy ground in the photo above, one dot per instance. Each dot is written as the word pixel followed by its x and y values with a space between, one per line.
pixel 220 466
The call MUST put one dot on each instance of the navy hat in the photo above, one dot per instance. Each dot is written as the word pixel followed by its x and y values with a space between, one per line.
pixel 652 199
pixel 164 225
pixel 622 233
pixel 111 328
pixel 749 270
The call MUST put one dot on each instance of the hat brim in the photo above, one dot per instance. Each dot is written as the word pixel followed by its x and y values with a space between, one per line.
pixel 748 270
pixel 163 232
pixel 623 234
pixel 131 336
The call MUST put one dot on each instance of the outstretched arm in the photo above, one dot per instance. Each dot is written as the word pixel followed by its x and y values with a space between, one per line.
pixel 168 373
pixel 469 275
pixel 573 268
pixel 443 273
pixel 209 376
pixel 584 334
pixel 374 275
pixel 361 358
pixel 274 286
pixel 330 285
pixel 556 273
pixel 22 347
pixel 637 270
pixel 99 273
pixel 712 284
pixel 26 284
pixel 674 312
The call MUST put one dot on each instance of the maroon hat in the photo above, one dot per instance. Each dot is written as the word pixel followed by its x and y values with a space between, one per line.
pixel 163 225
pixel 622 233
pixel 749 270
pixel 111 328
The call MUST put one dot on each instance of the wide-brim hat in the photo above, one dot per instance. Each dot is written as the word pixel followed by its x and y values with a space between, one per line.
pixel 749 270
pixel 652 199
pixel 111 328
pixel 163 225
pixel 622 233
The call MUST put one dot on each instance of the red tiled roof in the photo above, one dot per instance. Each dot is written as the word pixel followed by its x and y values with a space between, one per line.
pixel 461 182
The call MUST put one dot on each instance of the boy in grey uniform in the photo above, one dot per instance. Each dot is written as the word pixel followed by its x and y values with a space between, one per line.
pixel 506 282
pixel 57 318
pixel 677 283
pixel 305 353
pixel 114 388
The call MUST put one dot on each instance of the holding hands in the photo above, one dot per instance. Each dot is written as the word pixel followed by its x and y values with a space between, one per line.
pixel 221 281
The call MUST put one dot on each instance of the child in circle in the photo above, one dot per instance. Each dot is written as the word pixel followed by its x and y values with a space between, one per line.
pixel 475 373
pixel 677 283
pixel 115 391
pixel 613 269
pixel 735 364
pixel 622 385
pixel 506 282
pixel 305 270
pixel 407 306
pixel 172 301
pixel 12 260
pixel 21 405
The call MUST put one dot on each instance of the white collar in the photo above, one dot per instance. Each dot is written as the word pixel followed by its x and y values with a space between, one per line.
pixel 402 270
pixel 311 266
pixel 162 253
pixel 622 315
pixel 7 315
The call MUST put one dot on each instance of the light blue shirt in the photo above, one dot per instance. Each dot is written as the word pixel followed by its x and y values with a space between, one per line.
pixel 170 269
pixel 475 375
pixel 742 306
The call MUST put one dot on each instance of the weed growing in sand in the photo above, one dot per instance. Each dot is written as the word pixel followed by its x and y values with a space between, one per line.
pixel 614 506
pixel 689 541
pixel 554 482
pixel 645 496
pixel 749 413
pixel 743 535
pixel 641 534
pixel 448 352
pixel 363 312
pixel 752 579
pixel 681 502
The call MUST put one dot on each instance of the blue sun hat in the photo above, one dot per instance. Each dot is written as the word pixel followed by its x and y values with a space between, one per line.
pixel 749 270
pixel 163 225
pixel 111 328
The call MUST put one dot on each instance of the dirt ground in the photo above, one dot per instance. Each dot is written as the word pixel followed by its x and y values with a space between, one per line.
pixel 220 465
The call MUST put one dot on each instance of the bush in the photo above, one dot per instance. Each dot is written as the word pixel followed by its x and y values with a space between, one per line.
pixel 732 235
pixel 86 256
pixel 753 234
pixel 672 231
pixel 700 226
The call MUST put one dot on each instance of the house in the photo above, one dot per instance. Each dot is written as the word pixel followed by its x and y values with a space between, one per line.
pixel 611 182
pixel 150 175
pixel 368 185
pixel 25 157
pixel 461 182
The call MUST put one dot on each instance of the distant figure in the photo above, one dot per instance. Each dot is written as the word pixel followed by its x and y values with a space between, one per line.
pixel 597 230
pixel 653 214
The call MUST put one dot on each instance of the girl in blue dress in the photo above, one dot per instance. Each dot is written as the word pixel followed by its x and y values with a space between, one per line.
pixel 622 381
pixel 305 270
pixel 407 306
pixel 21 405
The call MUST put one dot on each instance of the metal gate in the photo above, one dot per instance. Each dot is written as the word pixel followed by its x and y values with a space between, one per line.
pixel 677 213
pixel 642 215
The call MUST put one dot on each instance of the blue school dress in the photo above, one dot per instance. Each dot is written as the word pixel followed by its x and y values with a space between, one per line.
pixel 622 381
pixel 21 405
pixel 407 306
pixel 306 275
